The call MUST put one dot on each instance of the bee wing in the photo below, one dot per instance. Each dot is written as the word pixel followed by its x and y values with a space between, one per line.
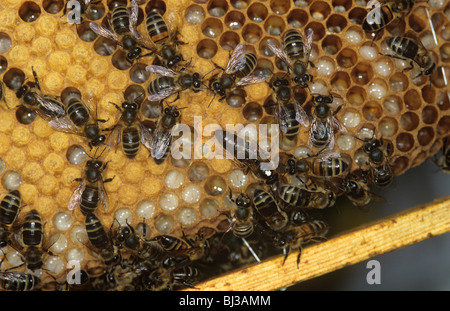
pixel 320 129
pixel 278 51
pixel 336 124
pixel 253 79
pixel 114 137
pixel 65 125
pixel 283 118
pixel 50 106
pixel 163 94
pixel 308 43
pixel 161 71
pixel 300 114
pixel 146 136
pixel 76 195
pixel 134 11
pixel 237 59
pixel 159 144
pixel 330 128
pixel 103 195
pixel 104 32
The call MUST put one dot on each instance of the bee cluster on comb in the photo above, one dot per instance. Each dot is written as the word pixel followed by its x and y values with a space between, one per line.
pixel 117 116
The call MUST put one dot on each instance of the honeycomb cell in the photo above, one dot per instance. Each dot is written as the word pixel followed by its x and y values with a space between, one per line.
pixel 351 118
pixel 217 8
pixel 392 105
pixel 297 18
pixel 209 207
pixel 104 46
pixel 206 48
pixel 354 35
pixel 215 185
pixel 429 114
pixel 154 5
pixel 52 6
pixel 347 58
pixel 445 52
pixel 280 7
pixel 362 73
pixel 236 98
pixel 62 221
pixel 378 88
pixel 164 223
pixel 212 27
pixel 437 78
pixel 388 127
pixel 252 111
pixel 194 14
pixel 346 142
pixel 123 216
pixel 251 33
pixel 29 11
pixel 14 78
pixel 319 10
pixel 398 82
pixel 341 6
pixel 425 135
pixel 444 33
pixel 274 25
pixel 318 30
pixel 187 216
pixel 412 100
pixel 443 126
pixel 234 20
pixel 404 142
pixel 264 48
pixel 400 165
pixel 11 180
pixel 336 23
pixel 5 42
pixel 340 81
pixel 372 111
pixel 85 33
pixel 331 44
pixel 418 20
pixel 356 95
pixel 443 100
pixel 409 121
pixel 145 209
pixel 134 93
pixel 191 194
pixel 357 15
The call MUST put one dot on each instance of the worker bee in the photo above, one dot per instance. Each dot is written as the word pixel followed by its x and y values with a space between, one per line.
pixel 384 13
pixel 295 54
pixel 79 120
pixel 290 112
pixel 32 99
pixel 324 122
pixel 358 191
pixel 99 239
pixel 193 248
pixel 240 71
pixel 170 82
pixel 9 210
pixel 242 216
pixel 19 281
pixel 130 131
pixel 266 206
pixel 413 50
pixel 319 198
pixel 91 190
pixel 296 235
pixel 124 33
pixel 161 141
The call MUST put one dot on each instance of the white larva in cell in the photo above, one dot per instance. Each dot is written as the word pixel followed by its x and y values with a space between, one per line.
pixel 237 178
pixel 365 133
pixel 353 36
pixel 313 54
pixel 145 209
pixel 302 152
pixel 62 221
pixel 391 106
pixel 194 15
pixel 325 67
pixel 436 3
pixel 191 194
pixel 368 52
pixel 187 216
pixel 346 142
pixel 75 254
pixel 428 41
pixel 14 258
pixel 11 180
pixel 209 207
pixel 339 8
pixel 123 216
pixel 164 223
pixel 377 90
pixel 319 88
pixel 351 119
pixel 382 68
pixel 54 264
pixel 174 179
pixel 79 235
pixel 76 155
pixel 301 3
pixel 58 243
pixel 168 201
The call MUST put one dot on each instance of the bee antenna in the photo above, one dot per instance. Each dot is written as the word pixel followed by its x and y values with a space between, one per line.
pixel 209 72
pixel 212 100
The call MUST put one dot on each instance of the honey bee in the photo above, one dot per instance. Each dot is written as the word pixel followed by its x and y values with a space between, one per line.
pixel 165 40
pixel 19 281
pixel 240 71
pixel 124 33
pixel 194 248
pixel 385 12
pixel 358 191
pixel 170 82
pixel 32 99
pixel 242 215
pixel 296 235
pixel 79 120
pixel 161 141
pixel 321 132
pixel 318 198
pixel 295 54
pixel 266 206
pixel 413 50
pixel 91 190
pixel 290 112
pixel 9 210
pixel 130 131
pixel 99 239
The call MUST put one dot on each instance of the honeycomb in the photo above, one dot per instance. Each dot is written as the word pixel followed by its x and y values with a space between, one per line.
pixel 190 197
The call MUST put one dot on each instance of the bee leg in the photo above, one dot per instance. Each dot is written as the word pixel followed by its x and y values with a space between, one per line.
pixel 299 255
pixel 218 67
pixel 36 81
pixel 109 179
pixel 288 250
